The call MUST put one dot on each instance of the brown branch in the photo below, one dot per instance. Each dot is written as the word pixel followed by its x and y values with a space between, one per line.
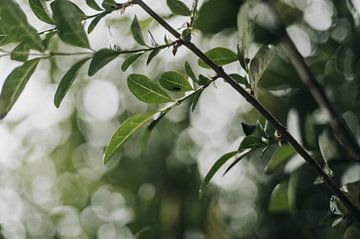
pixel 259 107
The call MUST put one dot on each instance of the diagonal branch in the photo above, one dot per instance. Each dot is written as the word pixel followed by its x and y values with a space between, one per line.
pixel 259 107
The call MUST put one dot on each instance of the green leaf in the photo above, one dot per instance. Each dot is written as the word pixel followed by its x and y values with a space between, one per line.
pixel 136 32
pixel 95 22
pixel 178 8
pixel 130 60
pixel 92 4
pixel 279 157
pixel 109 4
pixel 352 233
pixel 47 39
pixel 279 201
pixel 20 53
pixel 239 79
pixel 251 142
pixel 217 165
pixel 152 55
pixel 40 10
pixel 195 99
pixel 174 81
pixel 248 129
pixel 14 26
pixel 243 155
pixel 147 91
pixel 220 56
pixel 67 17
pixel 126 130
pixel 15 84
pixel 100 59
pixel 190 72
pixel 67 81
pixel 203 80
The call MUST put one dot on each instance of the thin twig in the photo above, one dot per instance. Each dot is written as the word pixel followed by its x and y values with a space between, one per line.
pixel 259 107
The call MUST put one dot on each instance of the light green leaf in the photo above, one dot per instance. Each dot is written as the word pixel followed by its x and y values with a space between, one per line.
pixel 130 60
pixel 40 10
pixel 15 84
pixel 251 142
pixel 220 56
pixel 174 81
pixel 20 53
pixel 136 32
pixel 100 59
pixel 126 130
pixel 217 165
pixel 14 26
pixel 279 157
pixel 93 5
pixel 178 7
pixel 279 201
pixel 67 81
pixel 67 17
pixel 147 91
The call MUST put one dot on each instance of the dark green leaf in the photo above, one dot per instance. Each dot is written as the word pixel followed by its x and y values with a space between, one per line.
pixel 109 4
pixel 67 81
pixel 147 91
pixel 190 72
pixel 195 100
pixel 136 32
pixel 47 39
pixel 174 81
pixel 239 79
pixel 152 54
pixel 279 201
pixel 220 56
pixel 20 53
pixel 93 5
pixel 352 233
pixel 243 155
pixel 67 17
pixel 100 59
pixel 203 80
pixel 220 162
pixel 14 26
pixel 40 10
pixel 95 22
pixel 130 60
pixel 15 84
pixel 251 142
pixel 248 129
pixel 178 7
pixel 126 130
pixel 280 156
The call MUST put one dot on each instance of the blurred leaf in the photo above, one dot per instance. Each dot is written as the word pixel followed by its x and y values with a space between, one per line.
pixel 260 63
pixel 279 201
pixel 178 8
pixel 67 81
pixel 174 81
pixel 40 10
pixel 240 80
pixel 136 32
pixel 147 91
pixel 95 22
pixel 215 15
pixel 100 59
pixel 67 17
pixel 279 157
pixel 245 32
pixel 190 72
pixel 152 55
pixel 130 60
pixel 352 190
pixel 92 4
pixel 195 99
pixel 126 130
pixel 251 142
pixel 248 129
pixel 352 233
pixel 47 39
pixel 15 84
pixel 217 165
pixel 20 53
pixel 15 27
pixel 243 155
pixel 220 56
pixel 109 4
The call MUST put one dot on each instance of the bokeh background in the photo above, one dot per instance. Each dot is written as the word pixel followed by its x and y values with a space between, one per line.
pixel 53 183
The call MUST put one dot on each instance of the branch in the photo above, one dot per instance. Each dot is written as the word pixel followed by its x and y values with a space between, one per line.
pixel 259 107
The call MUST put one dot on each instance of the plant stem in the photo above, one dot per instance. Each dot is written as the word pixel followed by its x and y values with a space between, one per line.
pixel 259 107
pixel 317 91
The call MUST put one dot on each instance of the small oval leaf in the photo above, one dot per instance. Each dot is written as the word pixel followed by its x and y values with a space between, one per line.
pixel 174 81
pixel 147 91
pixel 130 60
pixel 220 56
pixel 127 129
pixel 92 4
pixel 67 81
pixel 178 8
pixel 136 32
pixel 279 157
pixel 251 142
pixel 279 201
pixel 100 59
pixel 40 10
pixel 15 84
pixel 20 53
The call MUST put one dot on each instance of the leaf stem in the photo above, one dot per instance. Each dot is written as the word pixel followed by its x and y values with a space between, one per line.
pixel 259 107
